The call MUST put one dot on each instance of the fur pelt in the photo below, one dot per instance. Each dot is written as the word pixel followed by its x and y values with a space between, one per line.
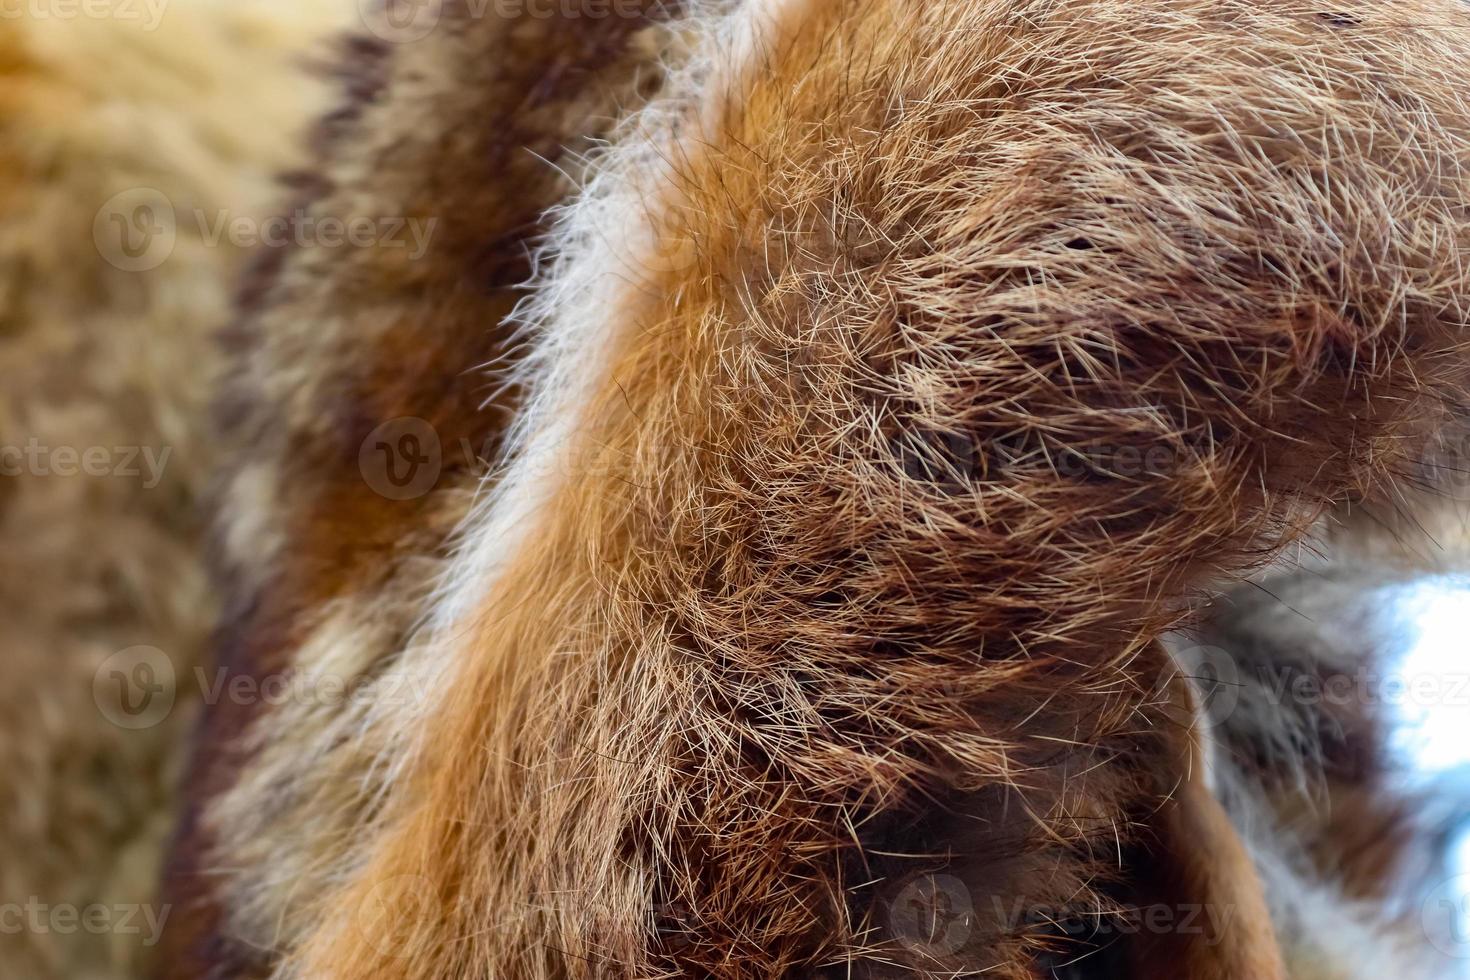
pixel 891 377
pixel 108 362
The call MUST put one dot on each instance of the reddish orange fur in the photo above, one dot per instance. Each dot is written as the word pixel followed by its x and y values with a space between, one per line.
pixel 1194 858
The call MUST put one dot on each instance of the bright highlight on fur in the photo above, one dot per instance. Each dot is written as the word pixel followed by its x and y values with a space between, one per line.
pixel 1439 613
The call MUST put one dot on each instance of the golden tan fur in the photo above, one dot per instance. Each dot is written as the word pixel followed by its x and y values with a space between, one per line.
pixel 203 108
pixel 329 580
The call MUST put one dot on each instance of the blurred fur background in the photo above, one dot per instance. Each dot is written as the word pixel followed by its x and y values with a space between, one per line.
pixel 108 308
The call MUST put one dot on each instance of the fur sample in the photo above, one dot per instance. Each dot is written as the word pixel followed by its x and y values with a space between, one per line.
pixel 891 377
pixel 124 140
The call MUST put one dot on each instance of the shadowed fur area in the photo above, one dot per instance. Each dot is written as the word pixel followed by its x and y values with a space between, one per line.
pixel 868 386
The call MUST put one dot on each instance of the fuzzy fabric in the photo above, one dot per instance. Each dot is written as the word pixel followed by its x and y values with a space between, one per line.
pixel 891 377
pixel 125 136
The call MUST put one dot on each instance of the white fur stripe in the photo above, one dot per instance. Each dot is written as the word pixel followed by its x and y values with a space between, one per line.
pixel 605 245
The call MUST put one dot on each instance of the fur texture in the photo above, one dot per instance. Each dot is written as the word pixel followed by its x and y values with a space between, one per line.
pixel 891 381
pixel 328 578
pixel 103 552
pixel 1349 841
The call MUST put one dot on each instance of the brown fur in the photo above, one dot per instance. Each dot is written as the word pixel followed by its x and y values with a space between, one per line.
pixel 397 339
pixel 845 584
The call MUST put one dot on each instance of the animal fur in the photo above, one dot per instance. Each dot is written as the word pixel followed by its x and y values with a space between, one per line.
pixel 812 570
pixel 1350 843
pixel 201 108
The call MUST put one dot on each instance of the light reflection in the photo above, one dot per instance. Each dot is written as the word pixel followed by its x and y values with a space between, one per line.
pixel 1432 689
pixel 1431 736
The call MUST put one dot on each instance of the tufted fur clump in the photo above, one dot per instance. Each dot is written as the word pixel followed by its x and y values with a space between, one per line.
pixel 109 364
pixel 889 382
